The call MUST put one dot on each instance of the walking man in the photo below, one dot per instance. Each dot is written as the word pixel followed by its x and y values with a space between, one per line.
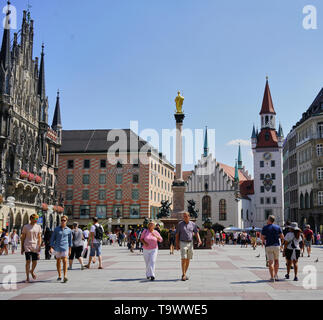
pixel 309 239
pixel 271 233
pixel 184 241
pixel 61 242
pixel 77 249
pixel 31 239
pixel 96 236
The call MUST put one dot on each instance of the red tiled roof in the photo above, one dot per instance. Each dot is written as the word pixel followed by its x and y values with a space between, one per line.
pixel 267 103
pixel 231 170
pixel 270 142
pixel 186 175
pixel 246 188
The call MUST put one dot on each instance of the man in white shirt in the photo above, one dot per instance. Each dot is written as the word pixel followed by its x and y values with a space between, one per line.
pixel 96 236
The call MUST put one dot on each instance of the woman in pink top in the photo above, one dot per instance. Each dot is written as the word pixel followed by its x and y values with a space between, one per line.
pixel 150 238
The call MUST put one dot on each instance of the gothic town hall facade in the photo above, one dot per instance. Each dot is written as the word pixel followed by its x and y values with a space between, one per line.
pixel 29 147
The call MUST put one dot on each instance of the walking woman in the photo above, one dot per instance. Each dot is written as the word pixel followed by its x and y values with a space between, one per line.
pixel 150 238
pixel 292 248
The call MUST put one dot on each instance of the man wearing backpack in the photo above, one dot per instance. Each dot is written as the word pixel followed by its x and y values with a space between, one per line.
pixel 96 236
pixel 309 238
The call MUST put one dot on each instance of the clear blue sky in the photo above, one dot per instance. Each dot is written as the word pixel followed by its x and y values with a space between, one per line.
pixel 121 60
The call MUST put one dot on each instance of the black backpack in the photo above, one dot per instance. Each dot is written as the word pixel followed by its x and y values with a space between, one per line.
pixel 98 232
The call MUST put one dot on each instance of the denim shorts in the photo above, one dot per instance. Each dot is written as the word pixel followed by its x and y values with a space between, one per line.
pixel 96 250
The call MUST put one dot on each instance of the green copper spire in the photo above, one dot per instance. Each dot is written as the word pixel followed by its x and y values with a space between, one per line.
pixel 239 158
pixel 206 145
pixel 236 172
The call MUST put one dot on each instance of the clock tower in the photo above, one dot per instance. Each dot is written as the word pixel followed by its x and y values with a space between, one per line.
pixel 267 148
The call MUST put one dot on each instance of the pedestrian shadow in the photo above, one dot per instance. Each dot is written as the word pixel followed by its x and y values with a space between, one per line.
pixel 24 282
pixel 141 280
pixel 264 268
pixel 256 281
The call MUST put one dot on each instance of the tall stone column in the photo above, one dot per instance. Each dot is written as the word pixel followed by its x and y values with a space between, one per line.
pixel 178 186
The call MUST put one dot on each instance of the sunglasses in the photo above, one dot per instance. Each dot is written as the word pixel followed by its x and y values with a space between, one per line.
pixel 63 220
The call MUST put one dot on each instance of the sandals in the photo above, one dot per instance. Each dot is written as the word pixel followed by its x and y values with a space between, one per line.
pixel 184 278
pixel 33 275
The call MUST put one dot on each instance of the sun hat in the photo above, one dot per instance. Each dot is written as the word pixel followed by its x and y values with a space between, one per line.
pixel 294 226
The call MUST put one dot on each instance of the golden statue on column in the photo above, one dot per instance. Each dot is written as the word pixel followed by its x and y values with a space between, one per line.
pixel 179 102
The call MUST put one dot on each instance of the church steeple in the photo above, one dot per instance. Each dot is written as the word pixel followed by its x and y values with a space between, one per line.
pixel 239 158
pixel 5 55
pixel 57 123
pixel 236 172
pixel 41 78
pixel 206 145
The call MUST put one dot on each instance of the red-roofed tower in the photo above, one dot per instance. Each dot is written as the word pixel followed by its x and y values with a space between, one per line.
pixel 267 153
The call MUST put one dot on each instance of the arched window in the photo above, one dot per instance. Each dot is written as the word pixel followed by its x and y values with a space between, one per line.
pixel 311 200
pixel 206 207
pixel 301 201
pixel 222 210
pixel 307 201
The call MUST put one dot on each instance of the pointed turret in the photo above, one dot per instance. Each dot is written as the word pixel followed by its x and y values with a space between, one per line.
pixel 267 103
pixel 280 131
pixel 41 79
pixel 5 55
pixel 253 135
pixel 206 145
pixel 239 158
pixel 57 123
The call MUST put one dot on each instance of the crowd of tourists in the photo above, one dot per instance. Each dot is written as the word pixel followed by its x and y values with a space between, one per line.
pixel 66 244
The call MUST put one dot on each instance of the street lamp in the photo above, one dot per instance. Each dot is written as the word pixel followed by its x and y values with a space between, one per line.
pixel 109 224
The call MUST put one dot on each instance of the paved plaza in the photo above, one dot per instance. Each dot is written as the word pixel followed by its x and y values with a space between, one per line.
pixel 228 272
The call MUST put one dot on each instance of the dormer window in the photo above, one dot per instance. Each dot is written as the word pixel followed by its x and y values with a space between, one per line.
pixel 267 136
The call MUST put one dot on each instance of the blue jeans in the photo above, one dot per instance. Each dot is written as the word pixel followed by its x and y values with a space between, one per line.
pixel 96 249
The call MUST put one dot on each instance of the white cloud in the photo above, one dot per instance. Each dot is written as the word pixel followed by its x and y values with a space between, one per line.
pixel 244 143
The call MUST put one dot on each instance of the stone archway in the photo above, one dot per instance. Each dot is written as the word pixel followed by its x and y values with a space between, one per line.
pixel 18 223
pixel 26 219
pixel 11 220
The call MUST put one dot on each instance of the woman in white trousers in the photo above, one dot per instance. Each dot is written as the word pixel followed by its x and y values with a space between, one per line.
pixel 150 238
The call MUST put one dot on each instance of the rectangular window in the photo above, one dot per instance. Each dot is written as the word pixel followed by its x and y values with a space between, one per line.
pixel 68 210
pixel 319 173
pixel 134 211
pixel 86 179
pixel 101 212
pixel 70 164
pixel 69 195
pixel 135 194
pixel 319 150
pixel 262 176
pixel 86 164
pixel 119 178
pixel 102 179
pixel 273 163
pixel 118 194
pixel 103 163
pixel 69 179
pixel 273 189
pixel 267 200
pixel 262 164
pixel 273 176
pixel 262 189
pixel 117 211
pixel 84 212
pixel 274 200
pixel 261 200
pixel 102 195
pixel 320 198
pixel 135 178
pixel 85 194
